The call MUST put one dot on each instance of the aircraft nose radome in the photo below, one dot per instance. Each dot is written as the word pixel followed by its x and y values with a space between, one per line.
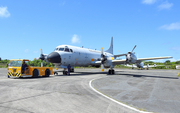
pixel 54 57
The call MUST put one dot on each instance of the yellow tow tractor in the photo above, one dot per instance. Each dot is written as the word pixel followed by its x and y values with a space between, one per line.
pixel 22 68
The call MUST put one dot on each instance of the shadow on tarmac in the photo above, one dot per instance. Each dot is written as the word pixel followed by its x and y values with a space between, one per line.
pixel 134 75
pixel 60 74
pixel 82 73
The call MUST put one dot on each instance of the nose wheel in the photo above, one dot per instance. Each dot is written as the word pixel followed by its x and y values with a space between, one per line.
pixel 65 72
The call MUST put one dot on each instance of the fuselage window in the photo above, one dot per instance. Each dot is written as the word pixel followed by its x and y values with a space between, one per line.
pixel 71 50
pixel 61 49
pixel 66 50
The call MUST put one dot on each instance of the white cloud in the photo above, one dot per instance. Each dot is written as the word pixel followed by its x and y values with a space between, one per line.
pixel 26 51
pixel 35 51
pixel 75 39
pixel 4 12
pixel 148 1
pixel 64 3
pixel 173 26
pixel 173 60
pixel 165 5
pixel 176 48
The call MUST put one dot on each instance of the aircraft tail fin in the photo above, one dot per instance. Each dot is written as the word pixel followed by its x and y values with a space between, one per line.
pixel 110 50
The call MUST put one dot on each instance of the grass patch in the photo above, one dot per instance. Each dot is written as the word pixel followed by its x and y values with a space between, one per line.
pixel 3 65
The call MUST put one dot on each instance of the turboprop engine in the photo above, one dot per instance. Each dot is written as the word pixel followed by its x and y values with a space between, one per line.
pixel 42 57
pixel 106 62
pixel 131 57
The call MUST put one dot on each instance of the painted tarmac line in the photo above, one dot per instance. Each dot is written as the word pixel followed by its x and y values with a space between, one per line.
pixel 124 105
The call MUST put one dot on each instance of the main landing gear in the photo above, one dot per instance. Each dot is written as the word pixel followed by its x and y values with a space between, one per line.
pixel 66 72
pixel 111 72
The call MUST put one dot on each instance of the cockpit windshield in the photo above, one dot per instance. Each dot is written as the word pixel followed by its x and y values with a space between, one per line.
pixel 61 49
pixel 66 49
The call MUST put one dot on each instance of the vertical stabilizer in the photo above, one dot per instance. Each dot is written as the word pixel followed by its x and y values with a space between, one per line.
pixel 110 50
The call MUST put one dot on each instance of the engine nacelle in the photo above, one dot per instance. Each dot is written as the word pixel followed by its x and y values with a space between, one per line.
pixel 140 65
pixel 131 58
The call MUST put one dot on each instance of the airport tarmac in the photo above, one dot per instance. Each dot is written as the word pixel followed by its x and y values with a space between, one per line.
pixel 149 90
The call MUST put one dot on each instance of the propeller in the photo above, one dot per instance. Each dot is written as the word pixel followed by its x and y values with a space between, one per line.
pixel 129 55
pixel 103 59
pixel 42 57
pixel 133 48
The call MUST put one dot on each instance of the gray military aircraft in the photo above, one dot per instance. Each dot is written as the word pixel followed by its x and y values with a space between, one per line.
pixel 63 55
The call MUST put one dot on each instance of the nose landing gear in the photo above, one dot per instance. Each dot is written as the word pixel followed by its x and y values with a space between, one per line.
pixel 65 72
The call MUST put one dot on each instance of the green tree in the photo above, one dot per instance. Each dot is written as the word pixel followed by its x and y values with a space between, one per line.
pixel 177 62
pixel 37 63
pixel 149 62
pixel 167 62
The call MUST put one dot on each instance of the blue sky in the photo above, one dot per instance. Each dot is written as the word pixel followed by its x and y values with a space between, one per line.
pixel 26 26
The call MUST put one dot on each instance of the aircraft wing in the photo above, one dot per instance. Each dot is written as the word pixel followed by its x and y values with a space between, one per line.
pixel 139 60
pixel 120 55
pixel 96 62
pixel 152 58
pixel 116 62
pixel 123 61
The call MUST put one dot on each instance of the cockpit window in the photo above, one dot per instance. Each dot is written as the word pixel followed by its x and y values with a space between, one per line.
pixel 61 49
pixel 71 50
pixel 56 49
pixel 66 50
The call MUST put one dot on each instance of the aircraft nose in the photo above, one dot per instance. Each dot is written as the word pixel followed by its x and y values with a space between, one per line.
pixel 54 57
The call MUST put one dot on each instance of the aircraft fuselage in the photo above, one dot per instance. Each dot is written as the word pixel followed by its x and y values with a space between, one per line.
pixel 75 56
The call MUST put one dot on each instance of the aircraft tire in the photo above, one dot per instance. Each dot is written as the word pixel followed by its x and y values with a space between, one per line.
pixel 55 73
pixel 47 73
pixel 109 72
pixel 35 73
pixel 65 72
pixel 113 72
pixel 72 70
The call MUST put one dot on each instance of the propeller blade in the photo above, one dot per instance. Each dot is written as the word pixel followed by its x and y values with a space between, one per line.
pixel 101 50
pixel 102 59
pixel 41 51
pixel 133 48
pixel 42 58
pixel 102 67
